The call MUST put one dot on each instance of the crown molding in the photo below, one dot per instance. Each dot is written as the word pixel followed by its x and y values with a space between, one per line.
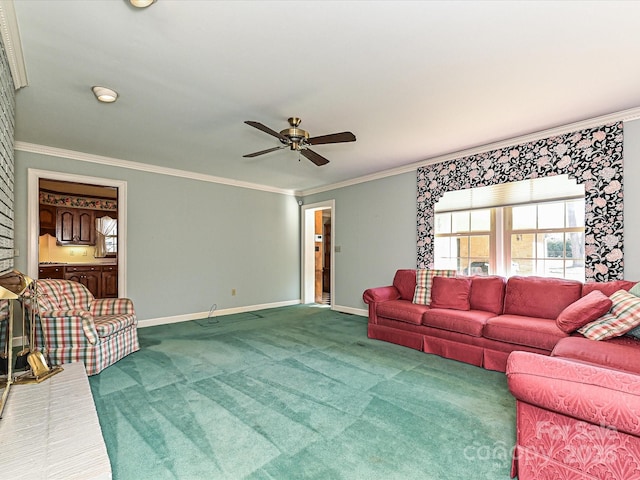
pixel 12 44
pixel 143 167
pixel 621 116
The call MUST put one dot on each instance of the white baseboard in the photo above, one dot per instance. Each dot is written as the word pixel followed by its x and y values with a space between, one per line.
pixel 353 311
pixel 227 311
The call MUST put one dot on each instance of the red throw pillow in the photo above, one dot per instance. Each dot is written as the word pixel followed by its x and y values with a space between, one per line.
pixel 451 293
pixel 585 310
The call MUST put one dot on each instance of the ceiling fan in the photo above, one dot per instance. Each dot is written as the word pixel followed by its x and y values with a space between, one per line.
pixel 298 139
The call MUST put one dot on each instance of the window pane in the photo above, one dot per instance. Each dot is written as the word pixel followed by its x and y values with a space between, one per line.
pixel 575 213
pixel 551 215
pixel 479 246
pixel 481 220
pixel 443 223
pixel 551 245
pixel 523 245
pixel 522 267
pixel 460 222
pixel 524 217
pixel 478 266
pixel 552 268
pixel 575 246
pixel 446 247
pixel 574 270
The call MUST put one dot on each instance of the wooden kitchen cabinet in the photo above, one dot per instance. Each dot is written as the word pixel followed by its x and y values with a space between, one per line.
pixel 47 218
pixel 56 272
pixel 109 281
pixel 75 226
pixel 88 275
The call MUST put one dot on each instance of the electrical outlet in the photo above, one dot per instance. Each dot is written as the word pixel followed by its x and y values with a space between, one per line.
pixel 233 292
pixel 84 252
pixel 16 252
pixel 72 252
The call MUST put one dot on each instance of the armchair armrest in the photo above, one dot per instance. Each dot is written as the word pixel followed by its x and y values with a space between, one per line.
pixel 380 294
pixel 598 395
pixel 111 306
pixel 63 327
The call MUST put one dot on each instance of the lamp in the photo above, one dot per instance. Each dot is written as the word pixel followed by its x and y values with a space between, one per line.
pixel 141 3
pixel 104 94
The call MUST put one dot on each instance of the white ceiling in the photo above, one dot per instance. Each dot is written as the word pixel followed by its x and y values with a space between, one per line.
pixel 412 80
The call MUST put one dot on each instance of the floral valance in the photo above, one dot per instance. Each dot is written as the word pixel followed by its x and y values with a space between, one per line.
pixel 594 157
pixel 74 201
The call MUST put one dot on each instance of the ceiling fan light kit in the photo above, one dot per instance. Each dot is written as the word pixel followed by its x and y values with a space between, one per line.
pixel 299 140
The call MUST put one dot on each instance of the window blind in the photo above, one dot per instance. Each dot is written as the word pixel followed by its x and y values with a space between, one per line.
pixel 535 190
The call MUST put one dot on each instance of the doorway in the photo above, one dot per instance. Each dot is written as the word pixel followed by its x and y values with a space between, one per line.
pixel 318 262
pixel 34 178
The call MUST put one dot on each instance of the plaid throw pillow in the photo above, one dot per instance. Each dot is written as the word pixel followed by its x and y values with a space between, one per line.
pixel 424 281
pixel 623 316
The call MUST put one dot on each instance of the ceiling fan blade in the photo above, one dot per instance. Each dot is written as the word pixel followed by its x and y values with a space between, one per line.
pixel 332 138
pixel 262 152
pixel 266 129
pixel 319 160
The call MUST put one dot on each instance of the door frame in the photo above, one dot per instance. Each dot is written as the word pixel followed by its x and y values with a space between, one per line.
pixel 33 219
pixel 307 263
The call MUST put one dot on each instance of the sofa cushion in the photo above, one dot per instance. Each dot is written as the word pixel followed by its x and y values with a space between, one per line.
pixel 584 310
pixel 623 317
pixel 615 353
pixel 533 332
pixel 450 293
pixel 487 293
pixel 608 288
pixel 405 282
pixel 402 310
pixel 540 297
pixel 424 281
pixel 469 322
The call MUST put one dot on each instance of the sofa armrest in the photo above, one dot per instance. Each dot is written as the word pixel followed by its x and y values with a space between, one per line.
pixel 380 294
pixel 600 396
pixel 64 328
pixel 101 307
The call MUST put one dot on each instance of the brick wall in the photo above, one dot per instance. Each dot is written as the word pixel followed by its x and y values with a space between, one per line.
pixel 7 119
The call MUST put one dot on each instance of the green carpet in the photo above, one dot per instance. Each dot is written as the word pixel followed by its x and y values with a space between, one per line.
pixel 298 393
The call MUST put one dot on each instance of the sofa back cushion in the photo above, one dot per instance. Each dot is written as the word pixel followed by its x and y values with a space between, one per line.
pixel 451 293
pixel 608 288
pixel 487 294
pixel 540 297
pixel 405 283
pixel 424 281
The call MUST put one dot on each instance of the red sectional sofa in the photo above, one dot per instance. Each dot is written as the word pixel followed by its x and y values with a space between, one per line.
pixel 577 400
pixel 504 315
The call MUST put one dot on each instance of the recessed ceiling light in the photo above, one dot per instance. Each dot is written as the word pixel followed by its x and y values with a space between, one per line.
pixel 141 3
pixel 104 94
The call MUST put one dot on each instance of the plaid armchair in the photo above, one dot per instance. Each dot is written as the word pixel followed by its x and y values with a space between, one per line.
pixel 81 328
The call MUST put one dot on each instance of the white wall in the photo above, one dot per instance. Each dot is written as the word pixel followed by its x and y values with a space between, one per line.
pixel 191 242
pixel 375 230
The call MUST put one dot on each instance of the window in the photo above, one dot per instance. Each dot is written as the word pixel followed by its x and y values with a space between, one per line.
pixel 547 239
pixel 463 241
pixel 516 235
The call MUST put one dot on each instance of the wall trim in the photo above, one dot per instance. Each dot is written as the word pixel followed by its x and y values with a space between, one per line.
pixel 144 167
pixel 361 312
pixel 12 44
pixel 623 116
pixel 151 322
